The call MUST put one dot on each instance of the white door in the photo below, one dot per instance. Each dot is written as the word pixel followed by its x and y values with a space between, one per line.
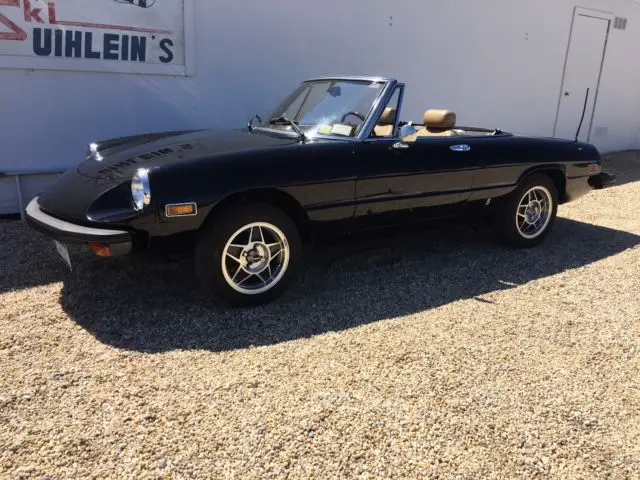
pixel 581 72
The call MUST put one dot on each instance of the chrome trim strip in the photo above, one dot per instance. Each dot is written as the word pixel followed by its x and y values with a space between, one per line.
pixel 376 111
pixel 288 133
pixel 381 139
pixel 352 78
pixel 396 131
pixel 195 207
pixel 331 137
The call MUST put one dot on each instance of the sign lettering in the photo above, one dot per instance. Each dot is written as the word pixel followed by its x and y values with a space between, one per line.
pixel 101 35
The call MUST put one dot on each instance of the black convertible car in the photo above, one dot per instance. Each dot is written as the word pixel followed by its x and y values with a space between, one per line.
pixel 334 156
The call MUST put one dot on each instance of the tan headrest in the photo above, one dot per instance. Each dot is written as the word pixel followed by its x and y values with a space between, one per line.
pixel 388 115
pixel 444 119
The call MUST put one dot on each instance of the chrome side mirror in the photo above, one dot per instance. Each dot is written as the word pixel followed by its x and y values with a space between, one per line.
pixel 407 130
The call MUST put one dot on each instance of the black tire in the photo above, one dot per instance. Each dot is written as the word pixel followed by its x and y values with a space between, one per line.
pixel 504 216
pixel 214 237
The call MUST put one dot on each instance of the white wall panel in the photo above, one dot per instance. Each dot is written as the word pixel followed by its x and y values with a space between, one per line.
pixel 498 63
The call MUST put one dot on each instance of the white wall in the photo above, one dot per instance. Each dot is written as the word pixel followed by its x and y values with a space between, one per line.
pixel 498 63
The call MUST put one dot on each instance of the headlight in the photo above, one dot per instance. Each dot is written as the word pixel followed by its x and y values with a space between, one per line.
pixel 140 189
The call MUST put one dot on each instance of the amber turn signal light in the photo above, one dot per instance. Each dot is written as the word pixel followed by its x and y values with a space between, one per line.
pixel 180 209
pixel 100 249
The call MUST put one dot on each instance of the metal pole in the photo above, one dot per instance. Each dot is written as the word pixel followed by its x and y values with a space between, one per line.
pixel 20 201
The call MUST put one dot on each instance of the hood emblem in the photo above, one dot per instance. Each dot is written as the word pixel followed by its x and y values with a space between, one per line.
pixel 93 151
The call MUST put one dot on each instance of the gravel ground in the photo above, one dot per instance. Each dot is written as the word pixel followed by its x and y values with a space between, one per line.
pixel 437 354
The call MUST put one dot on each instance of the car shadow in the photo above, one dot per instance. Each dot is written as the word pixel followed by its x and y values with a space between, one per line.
pixel 140 305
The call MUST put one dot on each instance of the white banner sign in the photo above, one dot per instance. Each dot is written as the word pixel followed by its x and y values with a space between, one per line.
pixel 129 36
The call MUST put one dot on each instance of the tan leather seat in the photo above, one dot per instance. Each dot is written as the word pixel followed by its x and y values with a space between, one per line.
pixel 437 123
pixel 384 127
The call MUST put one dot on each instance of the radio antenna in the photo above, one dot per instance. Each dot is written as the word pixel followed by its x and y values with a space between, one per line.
pixel 584 110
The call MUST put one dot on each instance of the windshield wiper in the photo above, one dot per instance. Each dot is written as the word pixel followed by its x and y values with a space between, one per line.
pixel 284 120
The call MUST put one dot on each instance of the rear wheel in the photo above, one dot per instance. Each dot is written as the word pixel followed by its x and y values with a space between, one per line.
pixel 525 217
pixel 248 255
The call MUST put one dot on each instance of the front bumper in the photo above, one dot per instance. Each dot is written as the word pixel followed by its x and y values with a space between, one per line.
pixel 602 180
pixel 67 232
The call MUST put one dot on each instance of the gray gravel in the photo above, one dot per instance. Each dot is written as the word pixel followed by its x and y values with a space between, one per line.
pixel 437 354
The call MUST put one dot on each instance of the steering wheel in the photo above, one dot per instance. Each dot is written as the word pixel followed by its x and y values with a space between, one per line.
pixel 355 114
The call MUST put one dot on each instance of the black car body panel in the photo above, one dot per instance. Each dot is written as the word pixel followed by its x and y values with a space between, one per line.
pixel 342 183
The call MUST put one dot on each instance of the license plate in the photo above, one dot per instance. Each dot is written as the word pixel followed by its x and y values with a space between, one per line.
pixel 63 251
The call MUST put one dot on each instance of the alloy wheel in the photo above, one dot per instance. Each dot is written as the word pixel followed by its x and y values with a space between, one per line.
pixel 534 212
pixel 255 258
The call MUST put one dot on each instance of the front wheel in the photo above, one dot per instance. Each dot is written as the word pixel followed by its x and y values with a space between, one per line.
pixel 526 216
pixel 248 255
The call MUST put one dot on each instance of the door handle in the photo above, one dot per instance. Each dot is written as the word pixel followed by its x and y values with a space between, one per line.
pixel 400 146
pixel 460 148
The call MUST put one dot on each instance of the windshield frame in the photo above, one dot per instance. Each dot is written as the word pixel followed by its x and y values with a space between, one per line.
pixel 369 122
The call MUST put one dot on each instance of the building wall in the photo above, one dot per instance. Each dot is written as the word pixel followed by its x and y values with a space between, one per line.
pixel 498 63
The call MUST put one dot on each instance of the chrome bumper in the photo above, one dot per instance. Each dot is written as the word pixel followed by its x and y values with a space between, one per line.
pixel 68 232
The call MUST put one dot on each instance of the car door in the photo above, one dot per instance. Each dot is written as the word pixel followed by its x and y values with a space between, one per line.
pixel 404 181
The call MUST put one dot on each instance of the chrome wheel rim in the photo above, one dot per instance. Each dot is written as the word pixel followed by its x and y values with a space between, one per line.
pixel 255 258
pixel 534 212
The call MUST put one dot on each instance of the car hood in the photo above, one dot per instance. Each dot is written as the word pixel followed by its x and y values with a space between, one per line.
pixel 119 158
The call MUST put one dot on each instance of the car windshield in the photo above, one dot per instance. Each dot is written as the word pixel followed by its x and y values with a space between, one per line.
pixel 326 107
